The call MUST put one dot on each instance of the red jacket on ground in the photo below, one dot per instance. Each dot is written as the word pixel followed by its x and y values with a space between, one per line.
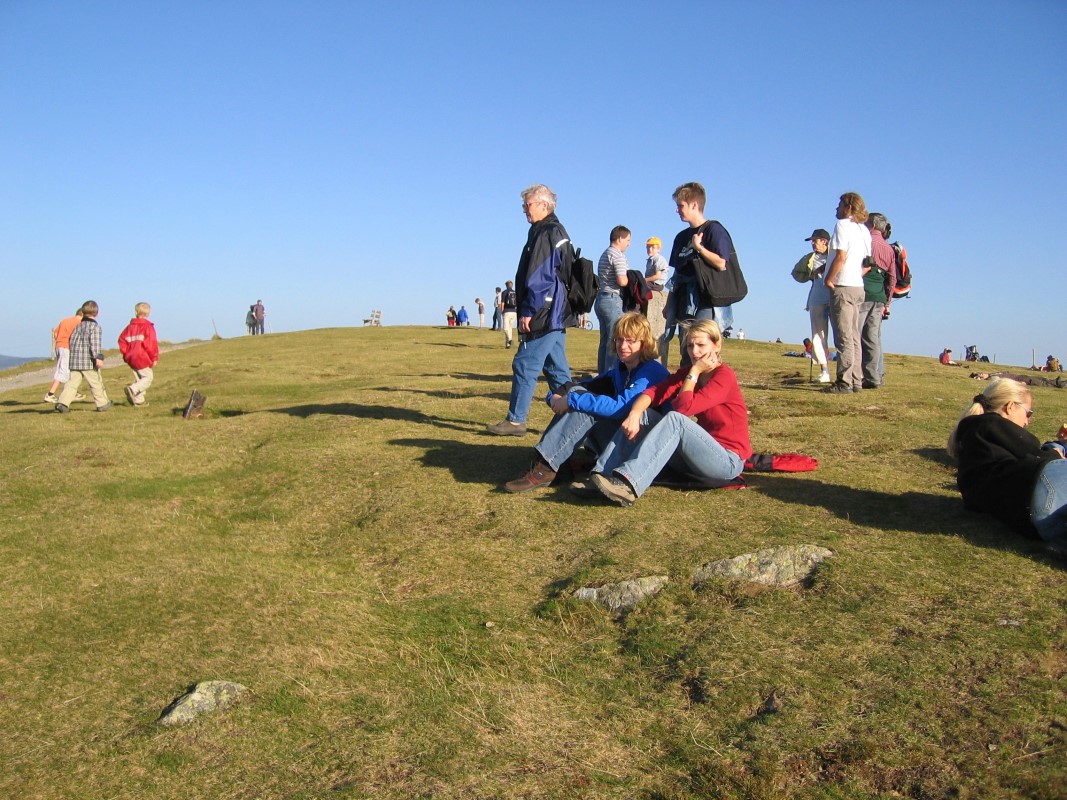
pixel 138 344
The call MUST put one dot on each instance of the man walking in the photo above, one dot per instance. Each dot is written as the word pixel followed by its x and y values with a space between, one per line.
pixel 850 244
pixel 543 310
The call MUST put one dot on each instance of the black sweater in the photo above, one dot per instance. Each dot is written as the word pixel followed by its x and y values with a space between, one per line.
pixel 999 463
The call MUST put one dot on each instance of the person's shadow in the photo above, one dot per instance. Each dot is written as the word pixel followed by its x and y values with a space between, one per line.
pixel 364 411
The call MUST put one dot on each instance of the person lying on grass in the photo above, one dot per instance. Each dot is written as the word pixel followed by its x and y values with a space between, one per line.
pixel 1003 468
pixel 710 450
pixel 591 411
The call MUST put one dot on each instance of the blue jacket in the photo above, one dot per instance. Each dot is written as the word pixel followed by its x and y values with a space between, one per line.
pixel 592 397
pixel 542 295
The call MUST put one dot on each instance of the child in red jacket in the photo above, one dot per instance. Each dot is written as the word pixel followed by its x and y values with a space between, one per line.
pixel 140 351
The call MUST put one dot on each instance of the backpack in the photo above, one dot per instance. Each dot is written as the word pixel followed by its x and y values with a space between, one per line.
pixel 509 298
pixel 903 272
pixel 580 279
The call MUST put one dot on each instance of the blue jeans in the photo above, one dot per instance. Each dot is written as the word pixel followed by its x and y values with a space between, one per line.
pixel 1048 507
pixel 566 432
pixel 548 353
pixel 673 440
pixel 608 308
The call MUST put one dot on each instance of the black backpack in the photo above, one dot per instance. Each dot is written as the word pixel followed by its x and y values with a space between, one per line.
pixel 580 279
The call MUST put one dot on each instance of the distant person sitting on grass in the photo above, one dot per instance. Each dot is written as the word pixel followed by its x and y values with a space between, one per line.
pixel 86 359
pixel 61 344
pixel 140 351
pixel 591 410
pixel 710 449
pixel 1029 380
pixel 946 358
pixel 1004 470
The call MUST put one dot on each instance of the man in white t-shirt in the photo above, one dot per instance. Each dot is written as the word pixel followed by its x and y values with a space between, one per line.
pixel 849 245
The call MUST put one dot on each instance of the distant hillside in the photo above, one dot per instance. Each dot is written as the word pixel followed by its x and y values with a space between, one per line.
pixel 6 362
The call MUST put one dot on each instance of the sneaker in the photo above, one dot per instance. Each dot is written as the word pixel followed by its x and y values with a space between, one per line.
pixel 51 398
pixel 540 474
pixel 131 395
pixel 507 345
pixel 615 489
pixel 105 406
pixel 506 428
pixel 62 409
pixel 79 396
pixel 839 388
pixel 825 378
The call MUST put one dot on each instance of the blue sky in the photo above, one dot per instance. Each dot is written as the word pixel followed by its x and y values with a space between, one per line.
pixel 334 157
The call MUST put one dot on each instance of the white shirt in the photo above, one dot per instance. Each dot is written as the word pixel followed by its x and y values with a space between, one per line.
pixel 854 238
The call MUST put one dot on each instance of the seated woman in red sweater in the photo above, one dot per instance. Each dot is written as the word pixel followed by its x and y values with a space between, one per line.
pixel 1003 468
pixel 710 449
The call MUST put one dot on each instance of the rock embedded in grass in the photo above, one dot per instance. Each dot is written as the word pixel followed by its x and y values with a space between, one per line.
pixel 203 698
pixel 625 595
pixel 775 566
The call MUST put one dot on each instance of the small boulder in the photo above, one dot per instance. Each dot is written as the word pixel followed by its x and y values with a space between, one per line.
pixel 203 698
pixel 625 595
pixel 775 566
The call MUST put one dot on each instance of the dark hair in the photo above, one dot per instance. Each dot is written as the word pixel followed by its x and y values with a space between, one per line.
pixel 619 232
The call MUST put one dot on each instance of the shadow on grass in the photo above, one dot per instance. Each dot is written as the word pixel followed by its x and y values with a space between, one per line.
pixel 376 412
pixel 446 394
pixel 490 463
pixel 935 454
pixel 911 511
pixel 470 376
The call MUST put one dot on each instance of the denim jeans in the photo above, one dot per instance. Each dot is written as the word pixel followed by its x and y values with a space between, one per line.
pixel 1048 507
pixel 608 308
pixel 548 353
pixel 567 431
pixel 673 440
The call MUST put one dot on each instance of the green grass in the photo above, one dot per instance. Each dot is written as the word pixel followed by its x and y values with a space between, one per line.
pixel 332 535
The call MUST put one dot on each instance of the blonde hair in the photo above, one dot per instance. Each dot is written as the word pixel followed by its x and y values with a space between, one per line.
pixel 634 325
pixel 708 327
pixel 142 309
pixel 994 397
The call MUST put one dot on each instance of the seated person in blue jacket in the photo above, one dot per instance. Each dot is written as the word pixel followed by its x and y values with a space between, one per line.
pixel 710 449
pixel 591 411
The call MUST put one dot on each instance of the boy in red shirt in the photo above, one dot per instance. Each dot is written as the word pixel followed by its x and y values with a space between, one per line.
pixel 140 351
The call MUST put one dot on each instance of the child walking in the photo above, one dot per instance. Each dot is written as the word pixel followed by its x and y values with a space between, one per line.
pixel 61 339
pixel 140 351
pixel 86 359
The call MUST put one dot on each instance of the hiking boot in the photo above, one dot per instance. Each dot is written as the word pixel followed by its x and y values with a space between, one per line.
pixel 131 395
pixel 615 489
pixel 506 428
pixel 51 398
pixel 870 385
pixel 584 488
pixel 62 409
pixel 838 388
pixel 540 474
pixel 105 406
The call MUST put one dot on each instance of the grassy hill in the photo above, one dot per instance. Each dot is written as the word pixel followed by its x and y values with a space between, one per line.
pixel 333 536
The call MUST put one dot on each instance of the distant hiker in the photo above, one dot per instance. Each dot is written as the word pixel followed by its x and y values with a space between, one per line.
pixel 946 358
pixel 544 312
pixel 849 245
pixel 509 306
pixel 461 316
pixel 879 280
pixel 710 449
pixel 657 273
pixel 250 320
pixel 86 359
pixel 481 312
pixel 498 311
pixel 1004 470
pixel 590 412
pixel 450 316
pixel 61 344
pixel 1052 364
pixel 260 314
pixel 611 279
pixel 140 351
pixel 811 268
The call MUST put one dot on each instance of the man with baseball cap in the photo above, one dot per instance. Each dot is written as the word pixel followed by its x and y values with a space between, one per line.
pixel 811 268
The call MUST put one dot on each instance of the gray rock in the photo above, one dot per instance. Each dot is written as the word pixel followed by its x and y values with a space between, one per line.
pixel 776 566
pixel 625 595
pixel 202 698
